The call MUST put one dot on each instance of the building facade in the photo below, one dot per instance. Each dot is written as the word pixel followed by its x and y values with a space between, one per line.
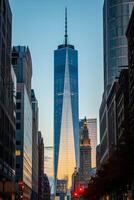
pixel 122 109
pixel 47 189
pixel 21 61
pixel 66 124
pixel 85 155
pixel 111 114
pixel 98 157
pixel 116 15
pixel 34 146
pixel 7 101
pixel 40 166
pixel 49 165
pixel 92 129
pixel 103 118
pixel 130 38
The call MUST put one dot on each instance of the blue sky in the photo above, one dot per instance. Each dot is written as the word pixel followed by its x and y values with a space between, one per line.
pixel 39 24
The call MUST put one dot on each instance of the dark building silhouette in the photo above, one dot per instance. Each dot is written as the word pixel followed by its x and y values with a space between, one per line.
pixel 34 146
pixel 111 117
pixel 98 157
pixel 122 109
pixel 130 37
pixel 47 189
pixel 40 166
pixel 7 100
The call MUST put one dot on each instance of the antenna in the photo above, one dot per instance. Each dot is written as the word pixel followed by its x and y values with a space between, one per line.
pixel 66 35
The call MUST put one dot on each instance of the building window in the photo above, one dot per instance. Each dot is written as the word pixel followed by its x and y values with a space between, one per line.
pixel 18 115
pixel 18 126
pixel 17 166
pixel 18 95
pixel 18 142
pixel 18 106
pixel 18 153
pixel 14 61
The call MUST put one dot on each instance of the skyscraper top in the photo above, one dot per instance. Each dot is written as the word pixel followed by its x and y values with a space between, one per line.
pixel 65 44
pixel 66 35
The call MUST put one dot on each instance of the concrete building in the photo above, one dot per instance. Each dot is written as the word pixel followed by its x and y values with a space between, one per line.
pixel 22 64
pixel 7 103
pixel 66 121
pixel 40 166
pixel 34 146
pixel 92 129
pixel 85 155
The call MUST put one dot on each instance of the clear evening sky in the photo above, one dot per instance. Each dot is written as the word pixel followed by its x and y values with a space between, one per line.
pixel 39 24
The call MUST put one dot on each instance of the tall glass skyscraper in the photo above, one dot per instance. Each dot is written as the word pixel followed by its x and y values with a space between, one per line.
pixel 66 120
pixel 115 20
pixel 116 14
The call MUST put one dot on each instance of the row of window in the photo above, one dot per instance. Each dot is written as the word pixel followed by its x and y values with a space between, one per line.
pixel 118 31
pixel 118 10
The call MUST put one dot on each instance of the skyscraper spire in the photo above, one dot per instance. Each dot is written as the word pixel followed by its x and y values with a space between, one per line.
pixel 66 36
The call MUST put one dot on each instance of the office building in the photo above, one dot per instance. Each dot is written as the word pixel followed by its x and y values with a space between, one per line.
pixel 92 129
pixel 112 122
pixel 40 166
pixel 47 189
pixel 22 64
pixel 116 15
pixel 130 38
pixel 98 157
pixel 48 165
pixel 7 102
pixel 122 110
pixel 66 123
pixel 34 146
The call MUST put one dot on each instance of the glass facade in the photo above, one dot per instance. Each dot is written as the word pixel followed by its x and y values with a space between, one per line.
pixel 27 151
pixel 22 64
pixel 116 15
pixel 66 123
pixel 24 137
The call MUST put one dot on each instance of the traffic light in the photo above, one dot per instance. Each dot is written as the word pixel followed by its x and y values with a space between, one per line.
pixel 21 185
pixel 80 190
pixel 21 188
pixel 75 194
